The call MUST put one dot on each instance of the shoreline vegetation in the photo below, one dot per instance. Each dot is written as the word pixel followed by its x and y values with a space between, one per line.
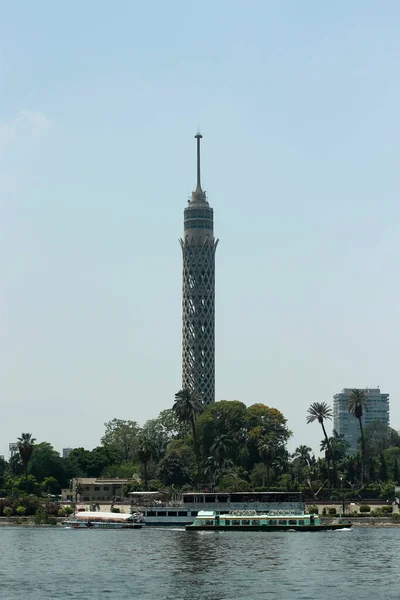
pixel 223 447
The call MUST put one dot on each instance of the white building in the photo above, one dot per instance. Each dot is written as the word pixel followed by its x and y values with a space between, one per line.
pixel 347 425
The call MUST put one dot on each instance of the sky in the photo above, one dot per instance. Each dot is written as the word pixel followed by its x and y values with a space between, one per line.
pixel 298 103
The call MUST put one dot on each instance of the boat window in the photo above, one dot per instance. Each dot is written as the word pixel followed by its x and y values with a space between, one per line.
pixel 282 522
pixel 272 522
pixel 151 513
pixel 255 522
pixel 172 513
pixel 182 513
pixel 227 522
pixel 222 499
pixel 208 498
pixel 188 499
pixel 161 513
pixel 209 522
pixel 235 522
pixel 245 522
pixel 194 513
pixel 106 488
pixel 292 522
pixel 96 488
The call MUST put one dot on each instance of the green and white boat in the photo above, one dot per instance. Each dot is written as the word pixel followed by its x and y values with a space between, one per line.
pixel 274 520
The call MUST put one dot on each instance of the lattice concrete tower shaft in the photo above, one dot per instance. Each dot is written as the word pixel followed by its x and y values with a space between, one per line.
pixel 198 293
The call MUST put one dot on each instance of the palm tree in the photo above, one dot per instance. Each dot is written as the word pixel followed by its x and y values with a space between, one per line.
pixel 187 406
pixel 320 411
pixel 26 445
pixel 267 451
pixel 220 448
pixel 356 405
pixel 303 454
pixel 144 452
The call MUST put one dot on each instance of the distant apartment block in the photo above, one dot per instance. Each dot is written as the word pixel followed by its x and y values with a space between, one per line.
pixel 347 425
pixel 67 452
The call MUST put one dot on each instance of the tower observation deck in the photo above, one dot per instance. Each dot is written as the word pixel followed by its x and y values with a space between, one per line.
pixel 198 293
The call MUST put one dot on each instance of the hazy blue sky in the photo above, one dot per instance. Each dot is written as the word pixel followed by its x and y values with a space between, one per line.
pixel 298 103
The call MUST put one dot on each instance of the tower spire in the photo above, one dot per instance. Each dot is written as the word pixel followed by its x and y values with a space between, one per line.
pixel 198 137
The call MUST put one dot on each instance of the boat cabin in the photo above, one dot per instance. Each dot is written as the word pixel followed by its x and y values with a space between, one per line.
pixel 249 518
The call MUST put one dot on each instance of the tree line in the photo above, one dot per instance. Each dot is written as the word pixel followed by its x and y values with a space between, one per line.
pixel 225 446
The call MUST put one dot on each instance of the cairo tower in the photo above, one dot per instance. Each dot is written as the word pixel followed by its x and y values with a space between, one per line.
pixel 198 293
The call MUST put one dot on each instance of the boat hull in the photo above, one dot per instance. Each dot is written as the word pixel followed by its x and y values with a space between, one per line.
pixel 309 528
pixel 105 525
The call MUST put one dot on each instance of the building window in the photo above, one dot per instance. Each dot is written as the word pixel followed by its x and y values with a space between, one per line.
pixel 105 488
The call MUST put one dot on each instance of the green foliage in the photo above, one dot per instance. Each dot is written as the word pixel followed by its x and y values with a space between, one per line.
pixel 364 508
pixel 47 463
pixel 120 438
pixel 21 510
pixel 387 490
pixel 8 511
pixel 175 469
pixel 379 437
pixel 115 509
pixel 258 475
pixel 50 486
pixel 127 470
pixel 312 509
pixel 231 483
pixel 68 510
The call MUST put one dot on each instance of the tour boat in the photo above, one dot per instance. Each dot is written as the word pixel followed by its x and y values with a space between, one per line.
pixel 182 512
pixel 250 520
pixel 104 520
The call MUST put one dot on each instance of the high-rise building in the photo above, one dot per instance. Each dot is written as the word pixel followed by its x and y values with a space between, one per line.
pixel 347 425
pixel 198 293
pixel 66 452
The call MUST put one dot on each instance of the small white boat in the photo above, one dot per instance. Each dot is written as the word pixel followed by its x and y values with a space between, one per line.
pixel 105 520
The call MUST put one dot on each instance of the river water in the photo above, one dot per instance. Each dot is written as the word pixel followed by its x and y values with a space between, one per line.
pixel 67 564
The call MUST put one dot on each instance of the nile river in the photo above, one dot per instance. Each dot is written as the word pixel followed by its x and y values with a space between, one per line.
pixel 43 563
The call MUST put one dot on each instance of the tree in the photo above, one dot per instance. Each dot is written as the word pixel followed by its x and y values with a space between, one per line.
pixel 378 437
pixel 320 411
pixel 47 462
pixel 187 406
pixel 50 486
pixel 266 423
pixel 26 444
pixel 120 437
pixel 356 405
pixel 267 450
pixel 144 452
pixel 396 475
pixel 174 470
pixel 303 453
pixel 383 470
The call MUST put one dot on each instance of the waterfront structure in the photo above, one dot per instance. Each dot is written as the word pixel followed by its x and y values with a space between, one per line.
pixel 347 425
pixel 93 489
pixel 198 293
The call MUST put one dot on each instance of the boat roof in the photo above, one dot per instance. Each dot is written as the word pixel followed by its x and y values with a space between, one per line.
pixel 103 515
pixel 146 493
pixel 206 513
